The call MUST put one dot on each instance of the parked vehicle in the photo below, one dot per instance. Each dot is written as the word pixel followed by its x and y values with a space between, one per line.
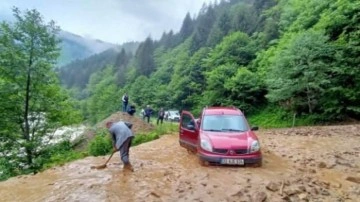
pixel 221 135
pixel 172 115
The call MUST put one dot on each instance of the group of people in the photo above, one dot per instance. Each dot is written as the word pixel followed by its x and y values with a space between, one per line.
pixel 146 113
pixel 121 131
pixel 125 100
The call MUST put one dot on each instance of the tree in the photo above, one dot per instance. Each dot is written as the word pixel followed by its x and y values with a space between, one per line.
pixel 234 48
pixel 220 29
pixel 247 90
pixel 203 28
pixel 187 27
pixel 33 104
pixel 121 63
pixel 145 58
pixel 104 98
pixel 299 73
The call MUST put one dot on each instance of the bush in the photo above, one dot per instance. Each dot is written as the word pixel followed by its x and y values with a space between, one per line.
pixel 59 154
pixel 101 144
pixel 277 117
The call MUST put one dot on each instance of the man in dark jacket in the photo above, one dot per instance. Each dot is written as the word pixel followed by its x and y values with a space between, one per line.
pixel 125 100
pixel 148 112
pixel 121 136
pixel 161 115
pixel 131 111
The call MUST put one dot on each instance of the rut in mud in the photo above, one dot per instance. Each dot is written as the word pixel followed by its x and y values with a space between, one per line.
pixel 301 164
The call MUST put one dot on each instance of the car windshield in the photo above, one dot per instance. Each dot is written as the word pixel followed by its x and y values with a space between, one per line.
pixel 236 123
pixel 174 113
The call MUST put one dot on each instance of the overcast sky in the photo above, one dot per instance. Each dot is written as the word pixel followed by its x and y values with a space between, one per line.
pixel 115 21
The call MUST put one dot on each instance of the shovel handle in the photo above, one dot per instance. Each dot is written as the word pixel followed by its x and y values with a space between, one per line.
pixel 109 157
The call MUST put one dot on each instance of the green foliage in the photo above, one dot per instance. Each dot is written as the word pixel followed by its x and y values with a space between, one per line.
pixel 103 99
pixel 101 144
pixel 276 117
pixel 144 57
pixel 300 55
pixel 247 90
pixel 60 154
pixel 298 76
pixel 244 18
pixel 143 138
pixel 160 130
pixel 33 102
pixel 234 48
pixel 7 169
pixel 216 93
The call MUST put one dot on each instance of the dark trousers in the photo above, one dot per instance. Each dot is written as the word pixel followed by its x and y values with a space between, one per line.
pixel 148 118
pixel 124 150
pixel 159 119
pixel 124 106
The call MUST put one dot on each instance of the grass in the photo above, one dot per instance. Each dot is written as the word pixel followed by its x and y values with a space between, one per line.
pixel 275 117
pixel 101 144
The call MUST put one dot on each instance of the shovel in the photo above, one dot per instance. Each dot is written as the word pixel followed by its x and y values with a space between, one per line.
pixel 103 165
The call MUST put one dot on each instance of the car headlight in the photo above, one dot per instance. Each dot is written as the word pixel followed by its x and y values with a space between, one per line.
pixel 205 144
pixel 255 146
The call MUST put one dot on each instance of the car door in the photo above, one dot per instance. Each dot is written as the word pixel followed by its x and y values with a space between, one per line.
pixel 189 131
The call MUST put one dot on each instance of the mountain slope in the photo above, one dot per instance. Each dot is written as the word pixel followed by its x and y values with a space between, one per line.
pixel 74 47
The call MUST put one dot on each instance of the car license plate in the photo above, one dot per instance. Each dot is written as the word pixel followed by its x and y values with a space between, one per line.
pixel 232 161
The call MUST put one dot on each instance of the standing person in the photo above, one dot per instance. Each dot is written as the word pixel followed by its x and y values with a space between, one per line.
pixel 131 111
pixel 148 112
pixel 121 136
pixel 142 113
pixel 125 100
pixel 161 115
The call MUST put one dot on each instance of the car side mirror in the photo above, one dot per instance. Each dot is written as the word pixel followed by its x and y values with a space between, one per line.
pixel 255 128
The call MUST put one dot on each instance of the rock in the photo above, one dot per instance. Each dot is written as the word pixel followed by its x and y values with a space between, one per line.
pixel 301 188
pixel 353 179
pixel 238 194
pixel 324 192
pixel 322 165
pixel 303 196
pixel 259 197
pixel 272 186
pixel 291 191
pixel 336 185
pixel 155 194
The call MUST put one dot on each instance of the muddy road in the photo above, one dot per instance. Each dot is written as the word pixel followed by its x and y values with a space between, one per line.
pixel 301 164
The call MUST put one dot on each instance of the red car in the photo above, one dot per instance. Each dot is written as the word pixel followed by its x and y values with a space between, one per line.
pixel 221 135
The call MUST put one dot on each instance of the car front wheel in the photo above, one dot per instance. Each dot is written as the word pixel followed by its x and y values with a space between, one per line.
pixel 203 163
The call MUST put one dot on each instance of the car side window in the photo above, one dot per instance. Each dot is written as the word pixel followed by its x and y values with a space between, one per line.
pixel 186 120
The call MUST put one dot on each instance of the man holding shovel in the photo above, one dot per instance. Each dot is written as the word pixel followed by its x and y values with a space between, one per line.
pixel 121 136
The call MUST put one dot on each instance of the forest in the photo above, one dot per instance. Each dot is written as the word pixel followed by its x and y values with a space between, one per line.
pixel 273 59
pixel 290 58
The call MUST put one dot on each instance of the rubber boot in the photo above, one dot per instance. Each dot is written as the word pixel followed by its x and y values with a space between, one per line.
pixel 128 167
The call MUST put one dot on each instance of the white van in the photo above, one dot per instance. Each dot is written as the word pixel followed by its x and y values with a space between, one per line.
pixel 172 115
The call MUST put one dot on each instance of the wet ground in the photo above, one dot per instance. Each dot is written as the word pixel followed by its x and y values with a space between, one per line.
pixel 301 164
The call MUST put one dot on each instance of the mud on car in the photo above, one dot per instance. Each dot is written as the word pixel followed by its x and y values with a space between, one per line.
pixel 221 135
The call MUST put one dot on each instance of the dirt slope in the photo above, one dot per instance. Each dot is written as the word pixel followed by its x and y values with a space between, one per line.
pixel 302 164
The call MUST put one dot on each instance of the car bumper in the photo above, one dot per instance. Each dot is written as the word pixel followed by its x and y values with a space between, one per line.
pixel 217 159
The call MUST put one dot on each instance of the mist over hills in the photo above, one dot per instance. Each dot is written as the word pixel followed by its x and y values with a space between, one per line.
pixel 75 47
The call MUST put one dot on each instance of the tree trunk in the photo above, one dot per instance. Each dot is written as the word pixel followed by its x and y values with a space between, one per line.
pixel 309 99
pixel 28 148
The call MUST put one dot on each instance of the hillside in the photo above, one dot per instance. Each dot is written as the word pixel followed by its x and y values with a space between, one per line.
pixel 287 55
pixel 75 47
